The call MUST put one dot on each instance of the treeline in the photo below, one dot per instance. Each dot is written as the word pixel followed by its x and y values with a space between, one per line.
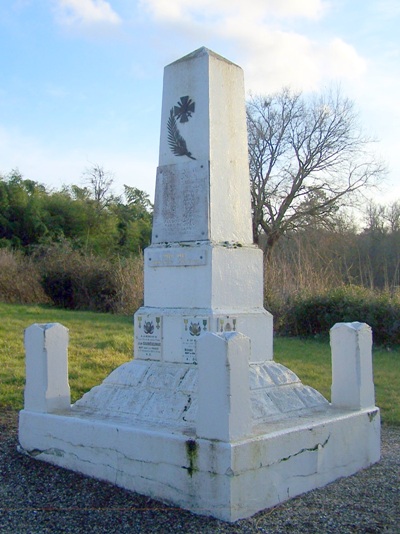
pixel 317 277
pixel 80 248
pixel 88 218
pixel 315 258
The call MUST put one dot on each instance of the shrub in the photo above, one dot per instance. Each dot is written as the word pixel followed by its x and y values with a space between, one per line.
pixel 80 281
pixel 316 314
pixel 20 279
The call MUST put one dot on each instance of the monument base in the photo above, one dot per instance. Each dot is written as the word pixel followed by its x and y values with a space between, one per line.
pixel 225 436
pixel 228 481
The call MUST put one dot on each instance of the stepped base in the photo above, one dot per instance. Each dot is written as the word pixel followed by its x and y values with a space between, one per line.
pixel 142 429
pixel 226 480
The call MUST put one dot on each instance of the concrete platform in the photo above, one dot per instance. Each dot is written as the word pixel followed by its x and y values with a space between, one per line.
pixel 228 481
pixel 221 437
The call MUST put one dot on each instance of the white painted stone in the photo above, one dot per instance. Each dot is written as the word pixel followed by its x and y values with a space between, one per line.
pixel 352 380
pixel 167 394
pixel 47 388
pixel 207 197
pixel 191 330
pixel 184 255
pixel 277 393
pixel 225 277
pixel 228 480
pixel 253 323
pixel 224 390
pixel 148 335
pixel 151 392
pixel 182 202
pixel 202 261
pixel 129 431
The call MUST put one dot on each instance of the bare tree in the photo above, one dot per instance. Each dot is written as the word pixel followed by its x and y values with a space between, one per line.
pixel 308 158
pixel 393 216
pixel 100 182
pixel 376 218
pixel 382 218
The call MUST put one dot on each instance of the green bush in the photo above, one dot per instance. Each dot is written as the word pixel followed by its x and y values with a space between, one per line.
pixel 316 314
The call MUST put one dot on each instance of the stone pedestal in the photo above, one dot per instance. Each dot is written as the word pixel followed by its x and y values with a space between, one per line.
pixel 203 417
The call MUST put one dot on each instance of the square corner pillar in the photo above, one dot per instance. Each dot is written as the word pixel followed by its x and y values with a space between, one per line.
pixel 352 376
pixel 224 409
pixel 47 389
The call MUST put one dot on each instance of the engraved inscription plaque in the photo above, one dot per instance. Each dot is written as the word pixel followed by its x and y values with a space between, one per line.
pixel 181 207
pixel 148 329
pixel 226 323
pixel 192 328
pixel 176 257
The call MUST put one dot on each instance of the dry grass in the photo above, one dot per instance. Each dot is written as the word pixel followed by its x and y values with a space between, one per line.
pixel 67 278
pixel 20 280
pixel 83 281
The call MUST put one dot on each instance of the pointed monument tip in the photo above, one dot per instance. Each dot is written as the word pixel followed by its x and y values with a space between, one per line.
pixel 203 51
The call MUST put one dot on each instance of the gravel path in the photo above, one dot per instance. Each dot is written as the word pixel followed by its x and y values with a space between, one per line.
pixel 36 497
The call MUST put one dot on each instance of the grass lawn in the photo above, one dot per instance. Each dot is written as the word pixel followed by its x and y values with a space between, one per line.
pixel 101 342
pixel 311 361
pixel 98 343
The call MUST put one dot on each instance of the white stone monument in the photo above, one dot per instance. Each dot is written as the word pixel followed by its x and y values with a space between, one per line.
pixel 203 417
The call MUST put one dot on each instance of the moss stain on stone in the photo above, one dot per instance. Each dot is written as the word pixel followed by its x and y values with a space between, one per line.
pixel 191 454
pixel 372 415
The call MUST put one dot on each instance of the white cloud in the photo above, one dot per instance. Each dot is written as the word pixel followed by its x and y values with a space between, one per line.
pixel 377 99
pixel 310 9
pixel 174 10
pixel 273 59
pixel 343 60
pixel 254 32
pixel 87 12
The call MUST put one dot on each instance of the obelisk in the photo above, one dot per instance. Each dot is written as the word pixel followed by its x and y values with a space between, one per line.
pixel 202 271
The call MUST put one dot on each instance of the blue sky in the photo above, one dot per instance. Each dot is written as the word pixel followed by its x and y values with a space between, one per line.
pixel 81 80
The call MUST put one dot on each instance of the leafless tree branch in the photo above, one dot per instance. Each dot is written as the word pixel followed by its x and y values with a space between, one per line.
pixel 308 158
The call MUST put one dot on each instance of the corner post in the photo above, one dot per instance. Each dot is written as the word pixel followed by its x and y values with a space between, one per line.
pixel 47 389
pixel 224 411
pixel 352 380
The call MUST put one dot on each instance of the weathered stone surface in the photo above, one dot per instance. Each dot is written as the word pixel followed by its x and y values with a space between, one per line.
pixel 226 480
pixel 181 208
pixel 206 133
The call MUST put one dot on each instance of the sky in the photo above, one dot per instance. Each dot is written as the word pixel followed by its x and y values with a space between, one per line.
pixel 81 80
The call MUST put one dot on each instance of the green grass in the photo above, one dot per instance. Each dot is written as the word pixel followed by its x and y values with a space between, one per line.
pixel 100 342
pixel 311 361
